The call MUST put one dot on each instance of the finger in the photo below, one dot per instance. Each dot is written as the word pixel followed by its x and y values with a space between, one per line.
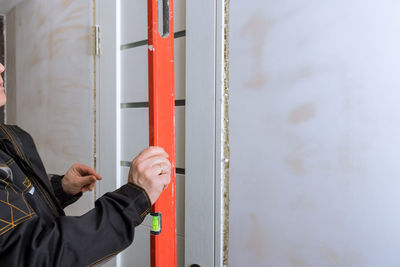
pixel 91 186
pixel 86 180
pixel 165 180
pixel 150 162
pixel 86 170
pixel 88 187
pixel 156 160
pixel 151 152
pixel 160 169
pixel 159 165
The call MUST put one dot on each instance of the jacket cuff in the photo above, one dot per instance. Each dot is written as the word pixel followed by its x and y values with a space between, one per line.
pixel 139 195
pixel 64 198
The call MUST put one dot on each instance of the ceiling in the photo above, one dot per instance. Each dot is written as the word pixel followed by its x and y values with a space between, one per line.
pixel 6 5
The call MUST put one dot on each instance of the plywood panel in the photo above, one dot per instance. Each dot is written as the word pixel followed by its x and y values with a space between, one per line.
pixel 134 73
pixel 52 94
pixel 134 19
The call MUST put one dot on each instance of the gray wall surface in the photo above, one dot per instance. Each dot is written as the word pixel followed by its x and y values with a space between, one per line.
pixel 315 133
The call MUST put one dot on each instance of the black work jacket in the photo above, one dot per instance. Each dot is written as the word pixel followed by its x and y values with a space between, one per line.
pixel 34 230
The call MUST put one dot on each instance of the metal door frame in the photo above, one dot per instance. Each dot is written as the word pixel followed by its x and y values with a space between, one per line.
pixel 204 202
pixel 107 64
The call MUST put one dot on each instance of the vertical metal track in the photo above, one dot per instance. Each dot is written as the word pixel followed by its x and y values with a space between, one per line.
pixel 162 122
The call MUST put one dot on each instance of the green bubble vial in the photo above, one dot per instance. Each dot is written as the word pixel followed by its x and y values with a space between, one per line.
pixel 156 223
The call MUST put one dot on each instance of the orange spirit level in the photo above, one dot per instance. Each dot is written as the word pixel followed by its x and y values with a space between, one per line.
pixel 162 125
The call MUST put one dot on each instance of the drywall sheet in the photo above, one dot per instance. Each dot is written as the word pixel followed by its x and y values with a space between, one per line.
pixel 314 134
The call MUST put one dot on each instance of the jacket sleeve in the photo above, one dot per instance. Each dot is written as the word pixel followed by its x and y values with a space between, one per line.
pixel 64 198
pixel 72 241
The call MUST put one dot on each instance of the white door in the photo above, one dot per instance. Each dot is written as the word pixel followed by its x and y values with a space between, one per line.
pixel 122 108
pixel 122 119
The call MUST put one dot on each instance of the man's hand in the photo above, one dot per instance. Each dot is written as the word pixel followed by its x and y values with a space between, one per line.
pixel 79 178
pixel 151 170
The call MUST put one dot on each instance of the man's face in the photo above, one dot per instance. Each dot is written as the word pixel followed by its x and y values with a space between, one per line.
pixel 3 98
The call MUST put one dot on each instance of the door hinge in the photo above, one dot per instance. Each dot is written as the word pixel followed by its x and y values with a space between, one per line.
pixel 96 33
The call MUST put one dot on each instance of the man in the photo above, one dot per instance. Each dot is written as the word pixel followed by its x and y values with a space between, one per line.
pixel 34 230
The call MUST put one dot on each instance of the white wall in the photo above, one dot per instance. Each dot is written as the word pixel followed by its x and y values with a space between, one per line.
pixel 51 95
pixel 315 133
